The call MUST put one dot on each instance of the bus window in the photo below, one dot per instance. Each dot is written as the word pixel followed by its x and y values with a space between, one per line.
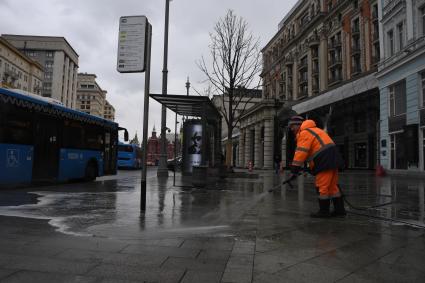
pixel 17 129
pixel 126 148
pixel 73 135
pixel 93 138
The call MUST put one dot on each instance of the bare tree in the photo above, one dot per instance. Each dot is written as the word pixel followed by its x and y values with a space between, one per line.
pixel 235 65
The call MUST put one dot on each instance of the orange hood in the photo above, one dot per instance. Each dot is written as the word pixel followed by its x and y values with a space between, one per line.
pixel 307 124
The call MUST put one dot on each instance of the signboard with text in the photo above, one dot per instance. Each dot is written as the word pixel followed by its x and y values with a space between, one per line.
pixel 132 44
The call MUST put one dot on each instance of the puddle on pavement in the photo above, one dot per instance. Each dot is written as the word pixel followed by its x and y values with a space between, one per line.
pixel 176 210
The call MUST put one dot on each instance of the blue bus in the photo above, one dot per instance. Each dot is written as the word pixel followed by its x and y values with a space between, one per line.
pixel 42 141
pixel 129 156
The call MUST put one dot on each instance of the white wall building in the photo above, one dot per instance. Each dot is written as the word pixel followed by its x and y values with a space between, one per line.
pixel 60 62
pixel 19 71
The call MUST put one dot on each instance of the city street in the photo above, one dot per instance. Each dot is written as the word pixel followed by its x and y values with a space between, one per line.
pixel 232 231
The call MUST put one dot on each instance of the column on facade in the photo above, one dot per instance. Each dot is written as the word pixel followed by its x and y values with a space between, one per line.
pixel 261 161
pixel 268 144
pixel 309 73
pixel 248 143
pixel 241 159
pixel 257 144
pixel 65 83
pixel 295 83
pixel 323 63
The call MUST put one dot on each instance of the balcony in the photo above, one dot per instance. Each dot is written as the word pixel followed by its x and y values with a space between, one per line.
pixel 355 30
pixel 356 70
pixel 315 88
pixel 302 66
pixel 314 40
pixel 333 44
pixel 303 94
pixel 334 80
pixel 335 62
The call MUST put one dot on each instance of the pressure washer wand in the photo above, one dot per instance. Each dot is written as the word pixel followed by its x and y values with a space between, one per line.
pixel 287 181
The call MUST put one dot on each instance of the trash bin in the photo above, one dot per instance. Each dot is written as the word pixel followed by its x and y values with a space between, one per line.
pixel 199 176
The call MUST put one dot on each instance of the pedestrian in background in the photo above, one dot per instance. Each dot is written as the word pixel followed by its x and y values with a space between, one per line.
pixel 315 146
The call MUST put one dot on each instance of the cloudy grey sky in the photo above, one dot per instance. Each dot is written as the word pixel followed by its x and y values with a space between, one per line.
pixel 91 27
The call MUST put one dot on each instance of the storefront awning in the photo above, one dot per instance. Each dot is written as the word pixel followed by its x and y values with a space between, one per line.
pixel 343 92
pixel 195 106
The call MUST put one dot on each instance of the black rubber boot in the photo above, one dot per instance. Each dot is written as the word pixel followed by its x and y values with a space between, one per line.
pixel 339 209
pixel 323 212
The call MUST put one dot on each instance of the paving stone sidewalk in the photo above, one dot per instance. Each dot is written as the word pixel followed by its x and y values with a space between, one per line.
pixel 235 231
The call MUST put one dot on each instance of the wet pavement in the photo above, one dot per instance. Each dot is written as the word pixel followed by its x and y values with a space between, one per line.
pixel 234 230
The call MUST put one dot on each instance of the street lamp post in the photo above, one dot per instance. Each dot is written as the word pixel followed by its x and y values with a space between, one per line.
pixel 187 86
pixel 162 169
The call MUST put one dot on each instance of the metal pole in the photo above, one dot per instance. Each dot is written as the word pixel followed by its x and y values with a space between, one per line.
pixel 187 86
pixel 162 169
pixel 145 121
pixel 175 148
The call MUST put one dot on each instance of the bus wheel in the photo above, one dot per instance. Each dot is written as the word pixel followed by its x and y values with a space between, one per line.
pixel 91 172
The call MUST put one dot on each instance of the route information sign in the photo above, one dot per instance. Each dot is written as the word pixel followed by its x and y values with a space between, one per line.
pixel 132 44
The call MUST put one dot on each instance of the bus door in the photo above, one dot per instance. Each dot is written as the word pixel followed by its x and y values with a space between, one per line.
pixel 46 149
pixel 107 154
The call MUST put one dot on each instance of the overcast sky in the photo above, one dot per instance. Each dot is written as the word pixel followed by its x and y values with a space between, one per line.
pixel 91 27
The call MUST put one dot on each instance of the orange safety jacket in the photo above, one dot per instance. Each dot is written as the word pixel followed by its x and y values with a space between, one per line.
pixel 316 147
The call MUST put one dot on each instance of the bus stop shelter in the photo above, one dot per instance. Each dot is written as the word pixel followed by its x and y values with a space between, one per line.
pixel 202 108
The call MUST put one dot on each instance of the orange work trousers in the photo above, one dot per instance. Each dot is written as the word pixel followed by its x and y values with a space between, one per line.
pixel 327 184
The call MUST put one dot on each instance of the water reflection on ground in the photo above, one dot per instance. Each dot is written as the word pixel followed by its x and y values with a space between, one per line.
pixel 111 207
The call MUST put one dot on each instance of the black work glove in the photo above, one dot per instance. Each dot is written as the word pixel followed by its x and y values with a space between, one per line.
pixel 296 170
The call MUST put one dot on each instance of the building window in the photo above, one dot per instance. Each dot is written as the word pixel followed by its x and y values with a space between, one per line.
pixel 47 86
pixel 48 75
pixel 31 53
pixel 49 64
pixel 390 35
pixel 397 99
pixel 398 152
pixel 400 36
pixel 49 54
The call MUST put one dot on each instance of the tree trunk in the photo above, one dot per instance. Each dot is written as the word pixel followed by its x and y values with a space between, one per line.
pixel 229 147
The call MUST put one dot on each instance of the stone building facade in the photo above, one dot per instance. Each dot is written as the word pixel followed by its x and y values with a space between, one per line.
pixel 402 85
pixel 60 63
pixel 18 70
pixel 154 148
pixel 245 99
pixel 91 98
pixel 109 111
pixel 321 64
pixel 258 141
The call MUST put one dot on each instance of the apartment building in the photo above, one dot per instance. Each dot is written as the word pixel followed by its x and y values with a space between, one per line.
pixel 321 64
pixel 59 60
pixel 91 98
pixel 402 85
pixel 109 111
pixel 19 71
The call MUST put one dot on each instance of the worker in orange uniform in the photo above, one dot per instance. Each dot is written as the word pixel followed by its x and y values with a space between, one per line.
pixel 316 147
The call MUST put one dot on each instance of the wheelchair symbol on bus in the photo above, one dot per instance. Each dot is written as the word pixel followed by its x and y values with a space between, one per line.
pixel 12 158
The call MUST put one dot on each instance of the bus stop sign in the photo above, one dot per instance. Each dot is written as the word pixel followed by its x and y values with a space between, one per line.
pixel 133 32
